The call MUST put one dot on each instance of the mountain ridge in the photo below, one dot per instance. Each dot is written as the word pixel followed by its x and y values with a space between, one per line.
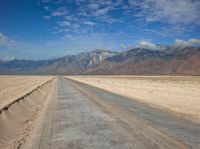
pixel 136 61
pixel 75 63
pixel 140 61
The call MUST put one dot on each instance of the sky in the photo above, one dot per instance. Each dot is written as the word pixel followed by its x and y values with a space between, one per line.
pixel 44 29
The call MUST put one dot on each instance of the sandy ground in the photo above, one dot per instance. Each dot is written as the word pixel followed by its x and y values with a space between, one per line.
pixel 179 94
pixel 13 87
pixel 19 119
pixel 64 113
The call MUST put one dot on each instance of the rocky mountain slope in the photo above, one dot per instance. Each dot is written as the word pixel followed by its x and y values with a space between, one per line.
pixel 168 60
pixel 72 64
pixel 171 60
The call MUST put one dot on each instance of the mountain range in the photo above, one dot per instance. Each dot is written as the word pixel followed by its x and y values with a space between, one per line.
pixel 168 60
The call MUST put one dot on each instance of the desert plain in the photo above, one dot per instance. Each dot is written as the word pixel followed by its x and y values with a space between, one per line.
pixel 14 87
pixel 42 112
pixel 179 94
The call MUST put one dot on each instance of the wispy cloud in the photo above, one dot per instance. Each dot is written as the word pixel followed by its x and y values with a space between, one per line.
pixel 5 41
pixel 102 11
pixel 47 7
pixel 178 16
pixel 179 43
pixel 94 6
pixel 64 23
pixel 10 48
pixel 148 45
pixel 174 12
pixel 82 22
pixel 89 23
pixel 96 9
pixel 60 12
pixel 186 43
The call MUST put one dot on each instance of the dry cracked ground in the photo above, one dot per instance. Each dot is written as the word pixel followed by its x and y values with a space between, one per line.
pixel 95 112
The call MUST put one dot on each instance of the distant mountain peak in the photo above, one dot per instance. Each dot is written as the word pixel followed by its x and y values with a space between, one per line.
pixel 170 60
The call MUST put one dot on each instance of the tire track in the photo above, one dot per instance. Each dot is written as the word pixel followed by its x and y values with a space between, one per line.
pixel 146 132
pixel 173 126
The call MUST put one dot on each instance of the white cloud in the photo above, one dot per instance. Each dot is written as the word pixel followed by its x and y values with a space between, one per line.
pixel 173 11
pixel 60 12
pixel 102 11
pixel 5 41
pixel 69 44
pixel 9 58
pixel 178 43
pixel 182 43
pixel 89 23
pixel 148 45
pixel 47 8
pixel 87 13
pixel 58 30
pixel 96 8
pixel 178 16
pixel 64 23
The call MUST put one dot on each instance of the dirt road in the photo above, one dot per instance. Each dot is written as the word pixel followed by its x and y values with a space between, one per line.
pixel 82 116
pixel 178 94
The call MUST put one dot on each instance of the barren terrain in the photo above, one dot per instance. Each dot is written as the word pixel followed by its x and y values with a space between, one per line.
pixel 180 94
pixel 62 113
pixel 14 87
pixel 22 98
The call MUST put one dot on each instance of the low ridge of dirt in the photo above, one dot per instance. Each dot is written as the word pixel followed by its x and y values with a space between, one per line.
pixel 18 119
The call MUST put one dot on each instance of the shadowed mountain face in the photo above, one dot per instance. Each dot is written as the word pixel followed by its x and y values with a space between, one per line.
pixel 169 60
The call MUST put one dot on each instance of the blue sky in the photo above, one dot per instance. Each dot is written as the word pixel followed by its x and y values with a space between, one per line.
pixel 42 29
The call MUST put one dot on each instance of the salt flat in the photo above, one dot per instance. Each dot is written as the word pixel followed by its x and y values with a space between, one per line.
pixel 179 94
